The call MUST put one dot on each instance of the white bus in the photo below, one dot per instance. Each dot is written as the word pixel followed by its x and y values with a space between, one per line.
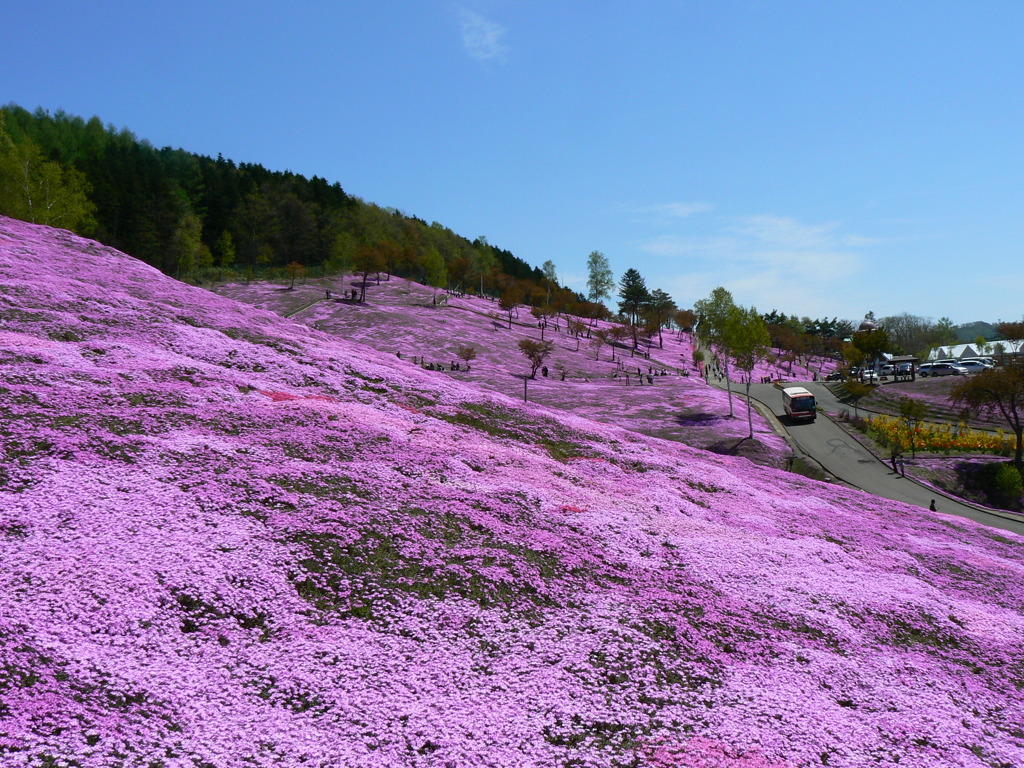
pixel 799 403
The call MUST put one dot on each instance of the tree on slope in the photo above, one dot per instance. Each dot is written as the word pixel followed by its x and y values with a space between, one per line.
pixel 634 293
pixel 600 281
pixel 684 320
pixel 484 261
pixel 510 300
pixel 712 329
pixel 368 259
pixel 748 343
pixel 550 279
pixel 536 352
pixel 40 191
pixel 294 270
pixel 998 392
pixel 659 310
pixel 466 353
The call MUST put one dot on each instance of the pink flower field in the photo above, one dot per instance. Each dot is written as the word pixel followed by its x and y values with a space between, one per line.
pixel 230 540
pixel 401 318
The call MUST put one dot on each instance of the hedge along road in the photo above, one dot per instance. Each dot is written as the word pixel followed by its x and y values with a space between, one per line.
pixel 845 459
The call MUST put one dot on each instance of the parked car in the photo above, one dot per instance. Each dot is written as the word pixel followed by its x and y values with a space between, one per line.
pixel 988 362
pixel 943 369
pixel 973 366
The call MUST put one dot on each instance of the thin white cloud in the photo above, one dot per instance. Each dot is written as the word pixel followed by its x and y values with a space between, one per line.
pixel 682 210
pixel 666 213
pixel 768 261
pixel 481 37
pixel 786 232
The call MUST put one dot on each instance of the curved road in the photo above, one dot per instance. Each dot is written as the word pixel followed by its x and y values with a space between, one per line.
pixel 845 459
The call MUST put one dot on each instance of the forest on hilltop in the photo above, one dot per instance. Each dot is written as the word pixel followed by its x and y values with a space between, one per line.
pixel 201 218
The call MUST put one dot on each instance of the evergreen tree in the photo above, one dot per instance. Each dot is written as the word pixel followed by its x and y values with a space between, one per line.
pixel 634 293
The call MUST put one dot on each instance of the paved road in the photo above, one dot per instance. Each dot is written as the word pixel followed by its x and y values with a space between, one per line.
pixel 846 460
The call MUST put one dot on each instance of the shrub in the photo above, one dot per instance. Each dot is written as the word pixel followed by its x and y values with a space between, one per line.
pixel 1008 486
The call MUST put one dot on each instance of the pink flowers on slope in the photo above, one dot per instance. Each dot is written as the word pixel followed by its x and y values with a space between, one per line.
pixel 223 544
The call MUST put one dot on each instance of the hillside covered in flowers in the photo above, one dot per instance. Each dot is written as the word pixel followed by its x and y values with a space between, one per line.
pixel 229 539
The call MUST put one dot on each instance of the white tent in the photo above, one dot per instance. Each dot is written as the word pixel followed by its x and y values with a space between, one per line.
pixel 960 351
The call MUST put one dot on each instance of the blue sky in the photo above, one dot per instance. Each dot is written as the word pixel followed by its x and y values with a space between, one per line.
pixel 820 158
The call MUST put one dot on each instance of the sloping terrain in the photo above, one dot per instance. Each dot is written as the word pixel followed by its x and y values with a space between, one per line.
pixel 229 539
pixel 617 385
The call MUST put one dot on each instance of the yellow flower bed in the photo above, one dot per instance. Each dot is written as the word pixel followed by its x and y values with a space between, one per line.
pixel 938 438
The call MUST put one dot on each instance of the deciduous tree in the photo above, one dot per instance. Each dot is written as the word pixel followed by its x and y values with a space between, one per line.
pixel 41 191
pixel 1012 333
pixel 536 352
pixel 466 353
pixel 856 391
pixel 998 392
pixel 600 280
pixel 748 343
pixel 659 310
pixel 712 329
pixel 294 270
pixel 550 279
pixel 510 300
pixel 367 260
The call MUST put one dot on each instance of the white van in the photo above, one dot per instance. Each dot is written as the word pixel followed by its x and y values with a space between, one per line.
pixel 799 404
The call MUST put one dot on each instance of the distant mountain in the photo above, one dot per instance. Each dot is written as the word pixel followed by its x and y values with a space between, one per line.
pixel 968 332
pixel 231 539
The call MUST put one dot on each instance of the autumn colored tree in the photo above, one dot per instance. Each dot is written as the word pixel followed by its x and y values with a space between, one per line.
pixel 997 392
pixel 186 250
pixel 485 263
pixel 367 260
pixel 466 353
pixel 536 352
pixel 224 251
pixel 294 270
pixel 684 320
pixel 510 300
pixel 542 315
pixel 1012 333
pixel 577 329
